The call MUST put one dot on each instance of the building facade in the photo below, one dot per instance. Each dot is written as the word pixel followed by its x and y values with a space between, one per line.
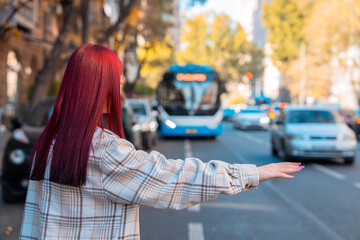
pixel 25 40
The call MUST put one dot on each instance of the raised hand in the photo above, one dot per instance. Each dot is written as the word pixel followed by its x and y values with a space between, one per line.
pixel 278 170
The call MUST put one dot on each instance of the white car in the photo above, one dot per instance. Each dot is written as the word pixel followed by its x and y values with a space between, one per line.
pixel 145 121
pixel 252 118
pixel 312 132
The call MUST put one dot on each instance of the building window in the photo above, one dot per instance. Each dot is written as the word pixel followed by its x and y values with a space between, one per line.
pixel 12 78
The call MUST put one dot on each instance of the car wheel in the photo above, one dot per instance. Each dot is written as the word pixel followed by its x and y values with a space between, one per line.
pixel 146 144
pixel 283 155
pixel 274 151
pixel 155 139
pixel 7 196
pixel 349 160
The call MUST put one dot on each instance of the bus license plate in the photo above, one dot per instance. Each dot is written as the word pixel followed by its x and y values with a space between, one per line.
pixel 191 131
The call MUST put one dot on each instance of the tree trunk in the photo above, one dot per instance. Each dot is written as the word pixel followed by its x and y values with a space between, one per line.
pixel 57 56
pixel 85 20
pixel 3 28
pixel 123 14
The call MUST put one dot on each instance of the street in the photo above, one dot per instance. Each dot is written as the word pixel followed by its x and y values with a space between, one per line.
pixel 321 202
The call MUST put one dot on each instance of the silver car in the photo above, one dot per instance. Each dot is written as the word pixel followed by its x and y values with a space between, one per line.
pixel 145 121
pixel 312 132
pixel 252 118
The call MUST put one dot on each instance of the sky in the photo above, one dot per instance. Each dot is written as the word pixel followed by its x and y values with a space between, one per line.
pixel 238 10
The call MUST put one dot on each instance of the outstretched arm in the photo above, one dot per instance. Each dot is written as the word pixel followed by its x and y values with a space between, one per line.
pixel 150 179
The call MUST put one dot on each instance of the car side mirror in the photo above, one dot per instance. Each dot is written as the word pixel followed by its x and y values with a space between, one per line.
pixel 16 123
pixel 279 122
pixel 154 113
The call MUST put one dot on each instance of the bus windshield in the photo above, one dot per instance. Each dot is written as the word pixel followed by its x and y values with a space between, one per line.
pixel 182 93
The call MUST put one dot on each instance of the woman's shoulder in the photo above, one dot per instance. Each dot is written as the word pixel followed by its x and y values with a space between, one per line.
pixel 105 137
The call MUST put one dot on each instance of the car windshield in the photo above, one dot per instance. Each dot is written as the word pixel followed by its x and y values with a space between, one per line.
pixel 251 111
pixel 41 114
pixel 311 116
pixel 138 108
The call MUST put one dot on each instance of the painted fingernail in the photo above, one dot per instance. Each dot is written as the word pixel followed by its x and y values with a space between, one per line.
pixel 299 163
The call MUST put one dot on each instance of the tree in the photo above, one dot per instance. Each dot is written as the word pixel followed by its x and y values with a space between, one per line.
pixel 332 27
pixel 156 60
pixel 285 21
pixel 221 45
pixel 60 49
pixel 147 34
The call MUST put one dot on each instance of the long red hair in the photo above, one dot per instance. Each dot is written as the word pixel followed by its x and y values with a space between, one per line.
pixel 91 81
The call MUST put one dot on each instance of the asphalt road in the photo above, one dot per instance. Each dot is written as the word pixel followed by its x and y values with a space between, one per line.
pixel 321 202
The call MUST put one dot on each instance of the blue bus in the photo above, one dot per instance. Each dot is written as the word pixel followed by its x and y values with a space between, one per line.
pixel 189 101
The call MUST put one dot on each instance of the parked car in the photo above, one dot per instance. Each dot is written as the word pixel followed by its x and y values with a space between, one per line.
pixel 146 121
pixel 312 132
pixel 357 124
pixel 252 118
pixel 131 131
pixel 15 164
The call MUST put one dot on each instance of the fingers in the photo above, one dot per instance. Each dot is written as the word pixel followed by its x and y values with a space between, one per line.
pixel 283 175
pixel 290 167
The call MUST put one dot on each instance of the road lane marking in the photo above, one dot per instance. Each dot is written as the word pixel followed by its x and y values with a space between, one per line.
pixel 238 206
pixel 187 149
pixel 196 231
pixel 195 208
pixel 357 184
pixel 316 166
pixel 253 139
pixel 189 154
pixel 303 211
pixel 328 171
pixel 240 157
pixel 297 206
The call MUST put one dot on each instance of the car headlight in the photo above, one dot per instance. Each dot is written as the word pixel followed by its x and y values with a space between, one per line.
pixel 20 136
pixel 17 156
pixel 296 136
pixel 136 127
pixel 264 120
pixel 349 136
pixel 153 126
pixel 170 124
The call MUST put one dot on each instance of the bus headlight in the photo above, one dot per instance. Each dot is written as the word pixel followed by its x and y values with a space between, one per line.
pixel 170 124
pixel 17 156
pixel 213 126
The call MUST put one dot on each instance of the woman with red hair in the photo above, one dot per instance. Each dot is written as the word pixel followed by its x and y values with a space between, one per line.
pixel 87 181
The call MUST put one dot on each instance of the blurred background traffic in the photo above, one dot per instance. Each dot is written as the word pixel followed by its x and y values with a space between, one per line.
pixel 244 81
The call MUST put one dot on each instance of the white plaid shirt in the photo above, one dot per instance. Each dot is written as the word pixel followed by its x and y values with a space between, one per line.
pixel 119 179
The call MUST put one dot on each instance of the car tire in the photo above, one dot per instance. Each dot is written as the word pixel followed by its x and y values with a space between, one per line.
pixel 349 160
pixel 7 196
pixel 274 151
pixel 155 140
pixel 283 155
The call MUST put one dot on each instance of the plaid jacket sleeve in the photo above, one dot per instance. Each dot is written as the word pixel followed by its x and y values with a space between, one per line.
pixel 131 176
